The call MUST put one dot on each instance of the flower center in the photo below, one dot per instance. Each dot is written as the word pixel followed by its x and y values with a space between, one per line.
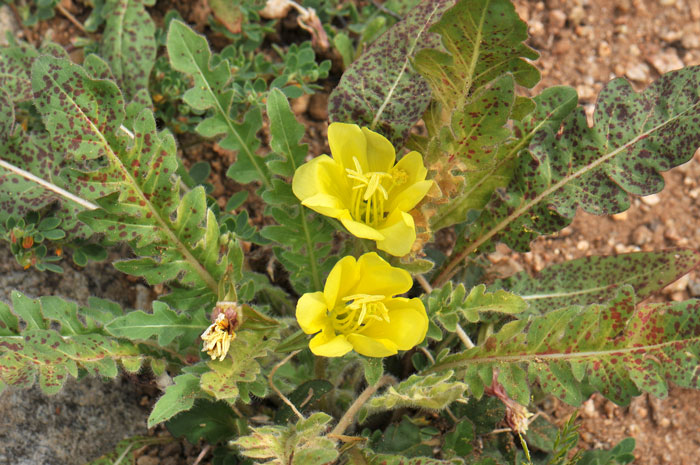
pixel 359 310
pixel 368 194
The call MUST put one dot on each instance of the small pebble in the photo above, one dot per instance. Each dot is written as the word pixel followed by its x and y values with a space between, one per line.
pixel 651 200
pixel 148 460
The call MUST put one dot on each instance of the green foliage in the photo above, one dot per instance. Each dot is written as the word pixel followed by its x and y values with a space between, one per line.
pixel 616 347
pixel 86 165
pixel 212 421
pixel 484 41
pixel 635 136
pixel 381 90
pixel 449 305
pixel 35 349
pixel 239 376
pixel 432 392
pixel 307 238
pixel 297 444
pixel 590 280
pixel 189 53
pixel 128 46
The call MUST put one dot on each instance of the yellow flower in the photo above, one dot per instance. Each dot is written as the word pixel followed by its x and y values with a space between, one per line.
pixel 357 310
pixel 363 188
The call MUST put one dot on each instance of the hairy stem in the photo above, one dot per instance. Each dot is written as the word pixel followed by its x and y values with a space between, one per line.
pixel 349 418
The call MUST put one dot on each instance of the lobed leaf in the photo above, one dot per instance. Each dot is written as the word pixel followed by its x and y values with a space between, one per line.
pixel 483 40
pixel 590 280
pixel 140 199
pixel 634 137
pixel 306 238
pixel 234 376
pixel 613 347
pixel 448 305
pixel 189 53
pixel 128 45
pixel 297 444
pixel 432 392
pixel 36 350
pixel 164 323
pixel 381 90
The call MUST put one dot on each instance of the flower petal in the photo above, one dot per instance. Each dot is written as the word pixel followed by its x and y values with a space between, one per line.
pixel 327 205
pixel 380 153
pixel 360 229
pixel 377 277
pixel 399 231
pixel 409 196
pixel 407 326
pixel 347 141
pixel 340 280
pixel 311 312
pixel 371 347
pixel 329 345
pixel 322 175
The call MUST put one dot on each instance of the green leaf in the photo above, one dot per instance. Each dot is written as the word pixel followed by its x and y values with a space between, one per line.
pixel 374 369
pixel 622 453
pixel 128 45
pixel 307 238
pixel 189 53
pixel 212 421
pixel 590 280
pixel 484 40
pixel 596 169
pixel 617 348
pixel 460 440
pixel 15 64
pixel 227 379
pixel 164 323
pixel 381 90
pixel 298 444
pixel 433 392
pixel 51 355
pixel 178 397
pixel 448 305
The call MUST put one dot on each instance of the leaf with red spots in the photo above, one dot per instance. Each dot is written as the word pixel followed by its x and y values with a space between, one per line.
pixel 483 40
pixel 634 137
pixel 189 53
pixel 590 280
pixel 178 397
pixel 176 236
pixel 230 378
pixel 128 45
pixel 381 90
pixel 617 348
pixel 53 344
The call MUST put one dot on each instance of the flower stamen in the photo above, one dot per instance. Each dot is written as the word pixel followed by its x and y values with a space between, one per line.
pixel 359 311
pixel 368 194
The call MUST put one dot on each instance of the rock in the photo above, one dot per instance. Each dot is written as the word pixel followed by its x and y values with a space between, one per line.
pixel 694 287
pixel 642 235
pixel 604 49
pixel 557 20
pixel 299 105
pixel 622 216
pixel 638 72
pixel 666 61
pixel 651 200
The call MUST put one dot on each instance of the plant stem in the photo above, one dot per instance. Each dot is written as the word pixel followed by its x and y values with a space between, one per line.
pixel 277 391
pixel 349 417
pixel 464 337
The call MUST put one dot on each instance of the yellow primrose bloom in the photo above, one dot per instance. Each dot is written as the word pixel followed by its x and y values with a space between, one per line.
pixel 357 310
pixel 363 188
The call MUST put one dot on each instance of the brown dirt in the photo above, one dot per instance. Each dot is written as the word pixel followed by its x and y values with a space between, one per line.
pixel 583 44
